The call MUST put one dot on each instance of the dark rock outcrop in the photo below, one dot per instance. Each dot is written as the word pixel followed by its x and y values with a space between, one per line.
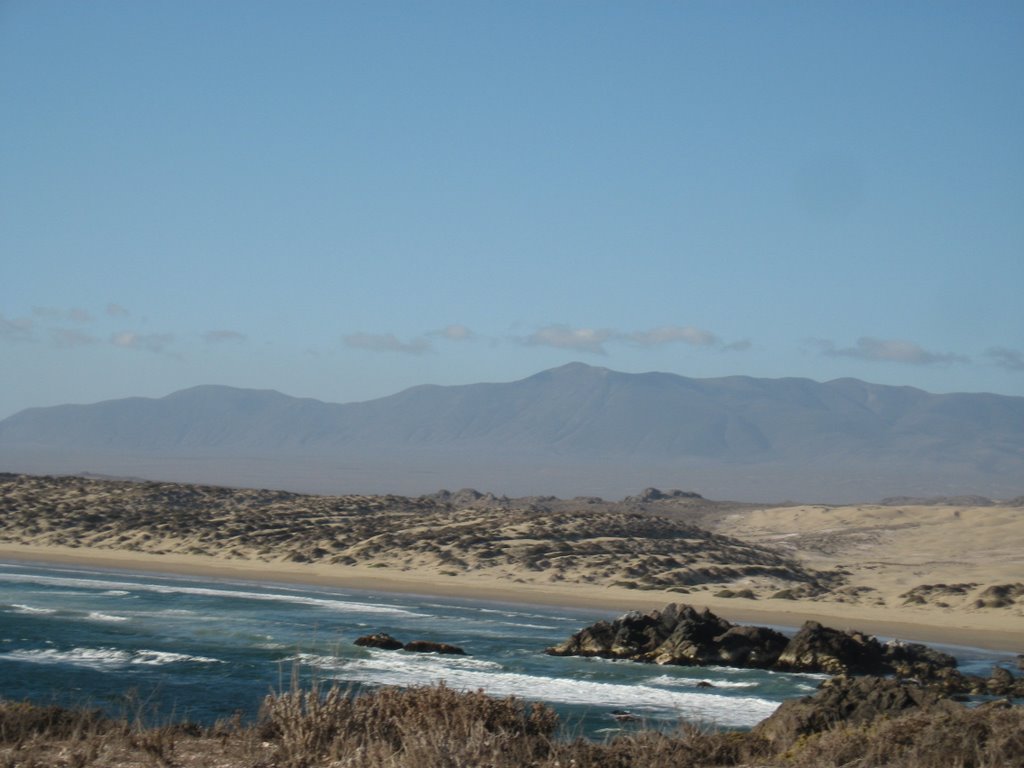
pixel 379 640
pixel 682 635
pixel 685 636
pixel 849 700
pixel 389 643
pixel 631 636
pixel 916 660
pixel 1002 683
pixel 428 646
pixel 816 648
pixel 676 635
pixel 703 638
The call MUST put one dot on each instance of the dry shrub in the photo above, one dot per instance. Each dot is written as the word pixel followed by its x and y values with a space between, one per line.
pixel 437 727
pixel 21 721
pixel 978 738
pixel 27 730
pixel 689 747
pixel 427 726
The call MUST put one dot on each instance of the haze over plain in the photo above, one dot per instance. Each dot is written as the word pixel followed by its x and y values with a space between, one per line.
pixel 340 201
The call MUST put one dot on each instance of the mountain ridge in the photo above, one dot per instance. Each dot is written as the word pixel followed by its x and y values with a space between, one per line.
pixel 645 429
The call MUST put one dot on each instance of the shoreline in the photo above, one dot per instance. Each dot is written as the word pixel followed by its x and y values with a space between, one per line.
pixel 1004 633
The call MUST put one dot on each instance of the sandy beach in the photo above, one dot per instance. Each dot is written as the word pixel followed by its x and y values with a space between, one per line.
pixel 994 632
pixel 947 572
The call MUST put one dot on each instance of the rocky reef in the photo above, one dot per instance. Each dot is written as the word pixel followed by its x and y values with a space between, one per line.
pixel 388 643
pixel 683 635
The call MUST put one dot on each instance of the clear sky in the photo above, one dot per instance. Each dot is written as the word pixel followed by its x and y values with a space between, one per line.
pixel 343 199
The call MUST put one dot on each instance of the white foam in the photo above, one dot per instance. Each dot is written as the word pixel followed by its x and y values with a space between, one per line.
pixel 116 592
pixel 384 659
pixel 104 658
pixel 803 675
pixel 462 673
pixel 158 658
pixel 100 584
pixel 97 616
pixel 692 682
pixel 20 608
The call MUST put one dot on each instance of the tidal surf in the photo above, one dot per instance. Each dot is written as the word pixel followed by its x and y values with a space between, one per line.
pixel 204 649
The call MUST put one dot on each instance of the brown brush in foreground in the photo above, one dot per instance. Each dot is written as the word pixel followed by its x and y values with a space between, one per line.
pixel 437 727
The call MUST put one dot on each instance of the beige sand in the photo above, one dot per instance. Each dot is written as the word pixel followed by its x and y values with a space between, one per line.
pixel 941 572
pixel 928 623
pixel 895 549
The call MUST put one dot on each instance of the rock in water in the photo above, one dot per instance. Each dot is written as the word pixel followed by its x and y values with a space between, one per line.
pixel 917 660
pixel 379 640
pixel 685 636
pixel 630 636
pixel 821 649
pixel 427 646
pixel 702 638
pixel 676 635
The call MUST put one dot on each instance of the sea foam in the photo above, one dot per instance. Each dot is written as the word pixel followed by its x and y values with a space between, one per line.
pixel 462 673
pixel 345 606
pixel 104 658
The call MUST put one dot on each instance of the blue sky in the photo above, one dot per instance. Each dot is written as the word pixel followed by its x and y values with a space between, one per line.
pixel 340 200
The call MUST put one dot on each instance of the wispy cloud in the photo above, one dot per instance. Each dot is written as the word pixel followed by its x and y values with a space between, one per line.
pixel 1010 359
pixel 590 340
pixel 15 329
pixel 887 350
pixel 221 336
pixel 596 340
pixel 387 342
pixel 455 332
pixel 152 342
pixel 116 310
pixel 671 334
pixel 71 337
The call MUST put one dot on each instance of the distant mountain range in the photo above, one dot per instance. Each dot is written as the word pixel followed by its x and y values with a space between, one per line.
pixel 573 430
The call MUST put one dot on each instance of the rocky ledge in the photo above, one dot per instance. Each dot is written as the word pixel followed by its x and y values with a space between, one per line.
pixel 388 643
pixel 682 635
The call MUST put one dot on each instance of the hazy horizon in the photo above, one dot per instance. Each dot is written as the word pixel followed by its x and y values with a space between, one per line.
pixel 573 430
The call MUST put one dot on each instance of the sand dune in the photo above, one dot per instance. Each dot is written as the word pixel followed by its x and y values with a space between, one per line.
pixel 959 559
pixel 919 572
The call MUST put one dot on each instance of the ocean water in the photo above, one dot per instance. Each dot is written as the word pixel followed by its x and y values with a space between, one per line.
pixel 177 647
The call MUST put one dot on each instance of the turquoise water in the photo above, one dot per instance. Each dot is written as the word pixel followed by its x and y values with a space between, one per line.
pixel 205 649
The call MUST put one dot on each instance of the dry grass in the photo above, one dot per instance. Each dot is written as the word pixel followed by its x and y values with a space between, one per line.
pixel 985 738
pixel 419 726
pixel 437 727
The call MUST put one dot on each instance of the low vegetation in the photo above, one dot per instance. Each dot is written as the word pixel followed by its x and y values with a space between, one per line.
pixel 525 541
pixel 437 727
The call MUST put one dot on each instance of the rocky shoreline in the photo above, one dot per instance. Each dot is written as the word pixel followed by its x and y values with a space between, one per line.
pixel 683 635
